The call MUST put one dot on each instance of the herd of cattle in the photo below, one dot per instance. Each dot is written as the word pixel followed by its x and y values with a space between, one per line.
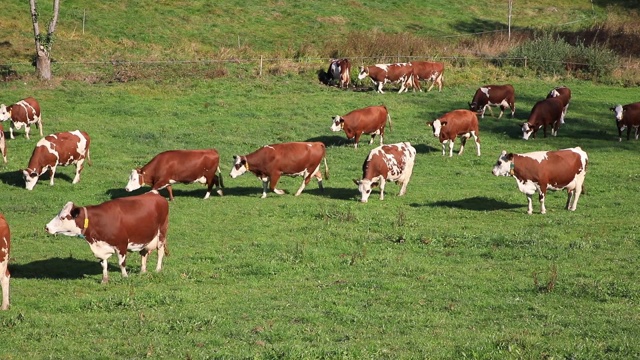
pixel 144 228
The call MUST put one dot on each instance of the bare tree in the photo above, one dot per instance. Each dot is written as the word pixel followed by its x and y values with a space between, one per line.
pixel 44 42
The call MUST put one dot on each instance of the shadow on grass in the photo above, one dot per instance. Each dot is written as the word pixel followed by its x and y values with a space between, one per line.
pixel 177 193
pixel 12 178
pixel 57 268
pixel 330 140
pixel 478 203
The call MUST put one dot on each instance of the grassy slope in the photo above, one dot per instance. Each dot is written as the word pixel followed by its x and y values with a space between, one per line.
pixel 447 271
pixel 194 30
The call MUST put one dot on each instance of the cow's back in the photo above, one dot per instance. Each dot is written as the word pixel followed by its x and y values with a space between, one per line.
pixel 458 122
pixel 71 146
pixel 546 111
pixel 5 239
pixel 25 110
pixel 140 217
pixel 367 119
pixel 631 115
pixel 290 157
pixel 173 163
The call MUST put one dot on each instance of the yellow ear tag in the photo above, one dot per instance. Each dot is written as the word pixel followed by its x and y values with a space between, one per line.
pixel 86 223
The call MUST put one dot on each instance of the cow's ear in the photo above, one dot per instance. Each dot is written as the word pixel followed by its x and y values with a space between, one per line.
pixel 33 174
pixel 357 182
pixel 429 123
pixel 612 109
pixel 74 212
pixel 235 157
pixel 509 156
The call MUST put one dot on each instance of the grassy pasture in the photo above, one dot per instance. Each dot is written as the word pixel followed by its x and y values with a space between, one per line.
pixel 454 269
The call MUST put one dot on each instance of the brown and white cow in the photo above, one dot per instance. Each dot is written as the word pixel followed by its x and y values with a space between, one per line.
pixel 448 127
pixel 65 148
pixel 494 95
pixel 627 117
pixel 3 144
pixel 382 74
pixel 340 70
pixel 5 247
pixel 23 113
pixel 179 166
pixel 370 121
pixel 564 94
pixel 546 170
pixel 134 223
pixel 427 71
pixel 392 162
pixel 547 112
pixel 270 162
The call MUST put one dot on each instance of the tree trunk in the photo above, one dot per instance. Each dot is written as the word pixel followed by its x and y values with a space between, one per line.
pixel 43 65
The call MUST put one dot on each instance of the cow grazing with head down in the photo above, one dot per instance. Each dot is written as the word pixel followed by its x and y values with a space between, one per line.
pixel 370 121
pixel 179 166
pixel 382 74
pixel 62 149
pixel 135 223
pixel 427 71
pixel 392 162
pixel 5 247
pixel 23 113
pixel 270 162
pixel 448 127
pixel 546 170
pixel 494 95
pixel 563 93
pixel 627 117
pixel 340 70
pixel 545 113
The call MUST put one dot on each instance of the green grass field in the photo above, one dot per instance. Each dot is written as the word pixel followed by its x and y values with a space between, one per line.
pixel 454 269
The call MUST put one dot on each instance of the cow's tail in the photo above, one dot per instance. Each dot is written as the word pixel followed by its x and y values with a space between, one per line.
pixel 389 120
pixel 326 168
pixel 89 158
pixel 220 178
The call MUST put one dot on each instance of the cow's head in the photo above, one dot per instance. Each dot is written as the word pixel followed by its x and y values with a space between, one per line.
pixel 337 123
pixel 364 72
pixel 65 222
pixel 436 126
pixel 5 114
pixel 365 186
pixel 553 93
pixel 527 130
pixel 619 111
pixel 30 178
pixel 504 165
pixel 136 180
pixel 239 167
pixel 473 106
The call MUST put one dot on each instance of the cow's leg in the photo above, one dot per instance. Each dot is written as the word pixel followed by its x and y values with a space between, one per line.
pixel 305 182
pixel 144 254
pixel 39 124
pixel 52 173
pixel 463 142
pixel 382 184
pixel 637 132
pixel 27 130
pixel 265 185
pixel 451 148
pixel 318 176
pixel 477 141
pixel 543 194
pixel 273 182
pixel 4 282
pixel 3 147
pixel 356 140
pixel 11 127
pixel 554 128
pixel 79 167
pixel 122 261
pixel 443 147
pixel 576 193
pixel 105 272
pixel 380 84
pixel 529 204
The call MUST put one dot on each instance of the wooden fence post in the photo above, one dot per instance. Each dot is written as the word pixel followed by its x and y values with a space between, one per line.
pixel 260 72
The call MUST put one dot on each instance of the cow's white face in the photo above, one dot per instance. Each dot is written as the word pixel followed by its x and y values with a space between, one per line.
pixel 30 178
pixel 504 165
pixel 239 166
pixel 363 73
pixel 337 123
pixel 527 130
pixel 4 114
pixel 437 126
pixel 135 181
pixel 365 186
pixel 64 223
pixel 618 111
